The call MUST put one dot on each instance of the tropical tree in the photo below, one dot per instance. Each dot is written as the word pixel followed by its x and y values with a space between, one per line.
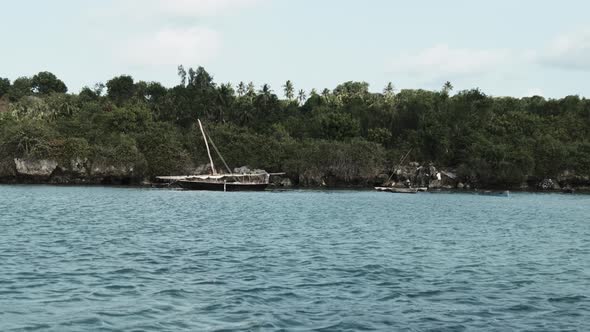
pixel 45 83
pixel 241 89
pixel 265 95
pixel 121 88
pixel 225 97
pixel 182 75
pixel 389 91
pixel 99 88
pixel 251 89
pixel 447 88
pixel 289 90
pixel 200 79
pixel 301 96
pixel 4 86
pixel 22 86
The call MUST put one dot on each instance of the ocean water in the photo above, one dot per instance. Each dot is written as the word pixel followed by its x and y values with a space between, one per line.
pixel 120 259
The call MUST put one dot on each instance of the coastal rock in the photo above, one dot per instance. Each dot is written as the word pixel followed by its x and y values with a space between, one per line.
pixel 547 184
pixel 100 169
pixel 281 182
pixel 35 168
pixel 7 169
pixel 435 184
pixel 311 178
pixel 570 178
pixel 76 166
pixel 448 179
pixel 422 177
pixel 286 182
pixel 242 170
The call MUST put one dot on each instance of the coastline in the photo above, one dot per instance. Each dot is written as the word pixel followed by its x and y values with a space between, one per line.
pixel 79 173
pixel 272 188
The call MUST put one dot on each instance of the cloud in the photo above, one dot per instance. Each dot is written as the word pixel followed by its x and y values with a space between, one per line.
pixel 444 62
pixel 568 51
pixel 162 9
pixel 197 8
pixel 175 39
pixel 174 46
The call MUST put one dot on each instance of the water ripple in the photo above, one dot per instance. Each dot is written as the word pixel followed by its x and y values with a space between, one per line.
pixel 109 259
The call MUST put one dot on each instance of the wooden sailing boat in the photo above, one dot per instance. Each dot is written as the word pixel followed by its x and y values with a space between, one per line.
pixel 387 187
pixel 225 181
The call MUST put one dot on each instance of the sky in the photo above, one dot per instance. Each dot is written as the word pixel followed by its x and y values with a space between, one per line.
pixel 504 47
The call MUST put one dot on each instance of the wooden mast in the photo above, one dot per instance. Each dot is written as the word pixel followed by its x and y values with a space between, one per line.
pixel 207 145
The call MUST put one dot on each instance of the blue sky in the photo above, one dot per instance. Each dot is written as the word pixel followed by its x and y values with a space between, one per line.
pixel 514 48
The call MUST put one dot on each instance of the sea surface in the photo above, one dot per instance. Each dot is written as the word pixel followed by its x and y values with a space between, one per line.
pixel 121 259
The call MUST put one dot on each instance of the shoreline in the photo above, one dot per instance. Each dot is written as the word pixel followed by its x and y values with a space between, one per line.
pixel 158 186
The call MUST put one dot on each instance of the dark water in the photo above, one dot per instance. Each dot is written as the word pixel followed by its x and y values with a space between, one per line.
pixel 108 259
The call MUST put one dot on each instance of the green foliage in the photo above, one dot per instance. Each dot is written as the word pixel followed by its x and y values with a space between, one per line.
pixel 162 147
pixel 336 126
pixel 379 135
pixel 65 150
pixel 45 83
pixel 120 150
pixel 128 120
pixel 120 89
pixel 22 86
pixel 345 135
pixel 4 86
pixel 27 138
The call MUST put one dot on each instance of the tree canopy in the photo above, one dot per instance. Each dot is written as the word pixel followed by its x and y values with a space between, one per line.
pixel 345 132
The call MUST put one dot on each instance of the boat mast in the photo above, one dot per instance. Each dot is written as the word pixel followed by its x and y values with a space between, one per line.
pixel 207 145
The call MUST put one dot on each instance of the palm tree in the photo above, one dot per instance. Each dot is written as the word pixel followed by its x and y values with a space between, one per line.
pixel 182 75
pixel 447 88
pixel 389 90
pixel 225 95
pixel 246 114
pixel 241 89
pixel 289 90
pixel 250 89
pixel 302 96
pixel 265 94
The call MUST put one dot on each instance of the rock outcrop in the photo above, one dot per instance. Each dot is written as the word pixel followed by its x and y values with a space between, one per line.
pixel 7 170
pixel 425 176
pixel 36 169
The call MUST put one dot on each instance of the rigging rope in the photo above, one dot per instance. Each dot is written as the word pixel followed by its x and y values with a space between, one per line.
pixel 218 153
pixel 398 166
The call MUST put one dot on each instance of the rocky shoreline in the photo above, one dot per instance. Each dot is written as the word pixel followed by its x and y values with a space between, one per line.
pixel 82 172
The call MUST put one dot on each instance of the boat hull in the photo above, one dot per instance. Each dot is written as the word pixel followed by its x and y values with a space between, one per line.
pixel 397 190
pixel 212 186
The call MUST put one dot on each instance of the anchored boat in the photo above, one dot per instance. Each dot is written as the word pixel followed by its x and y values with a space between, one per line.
pixel 221 181
pixel 397 190
pixel 388 187
pixel 226 182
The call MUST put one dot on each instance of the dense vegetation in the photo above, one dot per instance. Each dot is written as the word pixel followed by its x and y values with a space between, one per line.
pixel 348 134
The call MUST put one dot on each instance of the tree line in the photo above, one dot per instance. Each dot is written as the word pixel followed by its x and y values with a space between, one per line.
pixel 346 135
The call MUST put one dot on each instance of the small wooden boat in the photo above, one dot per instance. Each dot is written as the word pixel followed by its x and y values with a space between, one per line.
pixel 220 181
pixel 226 182
pixel 397 190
